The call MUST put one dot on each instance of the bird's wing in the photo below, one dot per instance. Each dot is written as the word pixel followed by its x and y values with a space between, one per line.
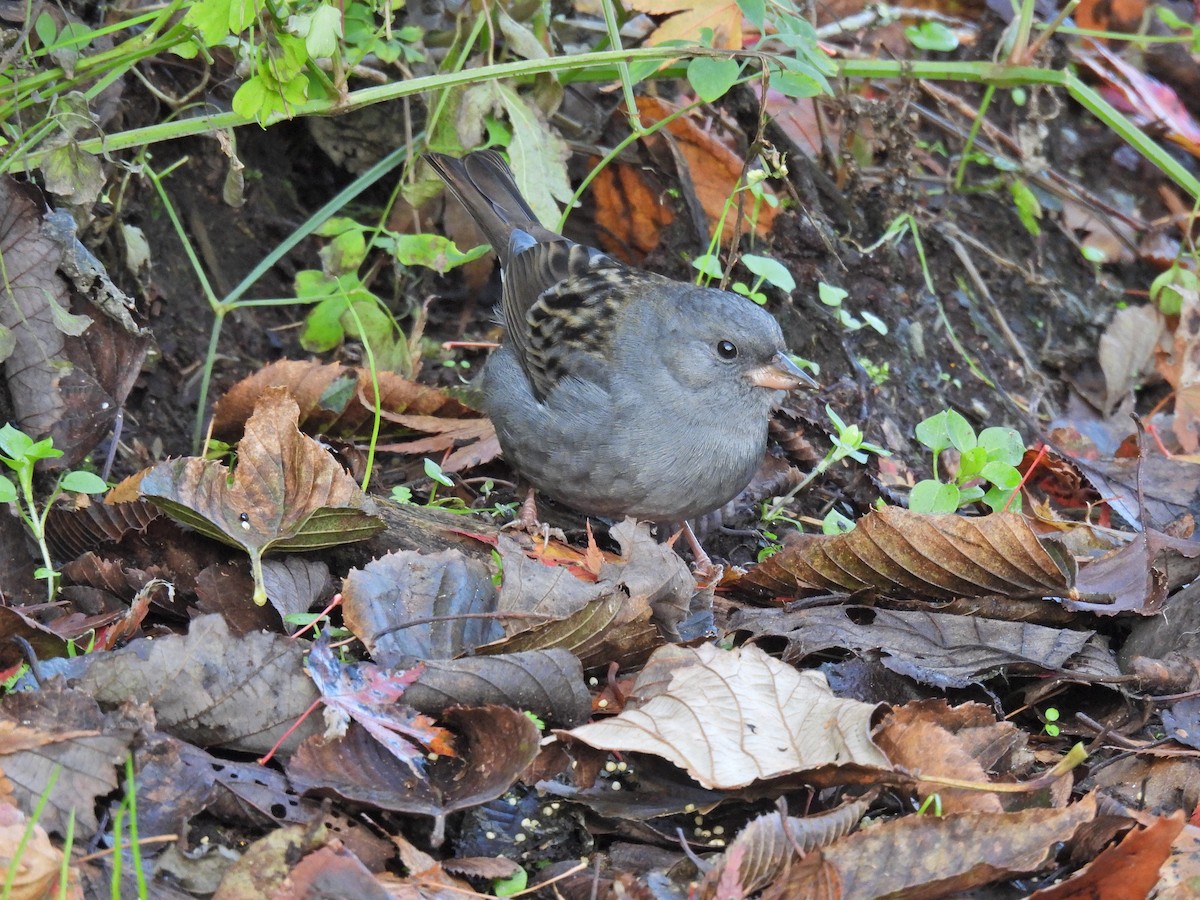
pixel 567 327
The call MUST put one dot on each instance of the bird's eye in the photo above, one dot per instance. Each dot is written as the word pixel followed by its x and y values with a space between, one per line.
pixel 726 350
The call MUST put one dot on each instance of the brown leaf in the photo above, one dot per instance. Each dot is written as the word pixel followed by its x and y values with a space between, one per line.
pixel 769 844
pixel 724 17
pixel 37 860
pixel 211 687
pixel 333 399
pixel 84 743
pixel 1127 351
pixel 1128 870
pixel 69 363
pixel 472 440
pixel 914 738
pixel 630 216
pixel 547 683
pixel 902 553
pixel 287 492
pixel 936 648
pixel 774 719
pixel 713 167
pixel 408 606
pixel 262 869
pixel 923 856
pixel 1134 578
pixel 496 743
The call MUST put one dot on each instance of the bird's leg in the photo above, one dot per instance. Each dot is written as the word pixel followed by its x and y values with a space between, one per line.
pixel 705 570
pixel 528 517
pixel 527 520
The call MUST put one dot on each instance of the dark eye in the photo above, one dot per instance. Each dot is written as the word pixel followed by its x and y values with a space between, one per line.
pixel 726 350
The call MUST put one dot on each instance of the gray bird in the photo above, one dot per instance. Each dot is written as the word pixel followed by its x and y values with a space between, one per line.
pixel 618 391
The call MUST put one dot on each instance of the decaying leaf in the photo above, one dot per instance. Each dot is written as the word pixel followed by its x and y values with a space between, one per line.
pixel 772 842
pixel 498 743
pixel 69 363
pixel 902 553
pixel 367 694
pixel 713 167
pixel 338 400
pixel 332 398
pixel 773 719
pixel 923 856
pixel 210 687
pixel 85 745
pixel 1182 371
pixel 941 649
pixel 724 17
pixel 37 861
pixel 286 493
pixel 1127 351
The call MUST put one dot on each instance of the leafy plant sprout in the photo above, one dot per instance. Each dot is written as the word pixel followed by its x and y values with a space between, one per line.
pixel 848 443
pixel 20 453
pixel 989 458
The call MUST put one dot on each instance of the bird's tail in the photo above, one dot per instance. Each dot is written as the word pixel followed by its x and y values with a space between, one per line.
pixel 484 184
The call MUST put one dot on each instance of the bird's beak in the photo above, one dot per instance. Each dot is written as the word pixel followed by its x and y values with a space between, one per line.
pixel 781 374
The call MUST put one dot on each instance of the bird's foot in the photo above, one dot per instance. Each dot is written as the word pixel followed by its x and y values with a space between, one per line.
pixel 706 572
pixel 528 522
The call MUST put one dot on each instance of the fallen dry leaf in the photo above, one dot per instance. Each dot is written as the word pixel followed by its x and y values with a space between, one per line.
pixel 369 695
pixel 712 165
pixel 724 17
pixel 922 856
pixel 901 553
pixel 286 493
pixel 1128 870
pixel 774 720
pixel 37 861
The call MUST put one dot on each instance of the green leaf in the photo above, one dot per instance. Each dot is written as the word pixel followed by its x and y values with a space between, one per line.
pixel 755 11
pixel 1003 444
pixel 1029 210
pixel 711 78
pixel 434 471
pixel 324 31
pixel 830 295
pixel 969 495
pixel 1002 475
pixel 539 156
pixel 514 884
pixel 45 29
pixel 345 252
pixel 933 433
pixel 971 463
pixel 933 497
pixel 433 251
pixel 13 442
pixel 931 36
pixel 709 265
pixel 798 84
pixel 772 271
pixel 962 435
pixel 875 322
pixel 251 99
pixel 998 499
pixel 323 326
pixel 8 490
pixel 83 483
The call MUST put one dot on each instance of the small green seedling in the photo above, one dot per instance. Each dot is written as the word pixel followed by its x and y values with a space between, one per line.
pixel 849 442
pixel 934 801
pixel 990 458
pixel 20 453
pixel 1051 718
pixel 833 296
